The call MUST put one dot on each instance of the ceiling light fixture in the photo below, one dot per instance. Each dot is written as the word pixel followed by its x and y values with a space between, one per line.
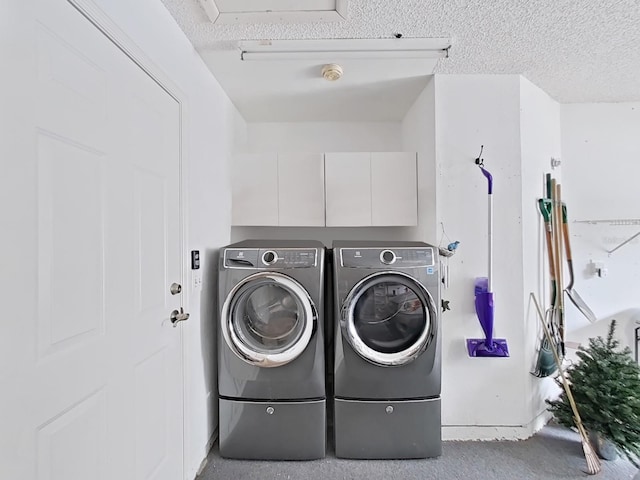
pixel 331 50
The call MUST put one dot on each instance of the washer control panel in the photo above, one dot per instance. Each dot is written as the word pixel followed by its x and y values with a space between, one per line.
pixel 270 258
pixel 391 257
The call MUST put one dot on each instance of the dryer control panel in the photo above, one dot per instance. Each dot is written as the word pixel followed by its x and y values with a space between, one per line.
pixel 392 257
pixel 270 257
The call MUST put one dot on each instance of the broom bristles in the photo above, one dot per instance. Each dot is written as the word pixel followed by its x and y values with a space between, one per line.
pixel 593 461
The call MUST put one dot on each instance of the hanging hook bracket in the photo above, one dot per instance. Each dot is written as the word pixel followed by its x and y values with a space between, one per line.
pixel 479 159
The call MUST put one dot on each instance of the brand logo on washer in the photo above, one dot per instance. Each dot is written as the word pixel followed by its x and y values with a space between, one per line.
pixel 430 270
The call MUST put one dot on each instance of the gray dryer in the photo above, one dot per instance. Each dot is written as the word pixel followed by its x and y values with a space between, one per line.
pixel 387 357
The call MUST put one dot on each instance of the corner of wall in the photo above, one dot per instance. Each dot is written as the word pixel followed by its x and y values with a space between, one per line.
pixel 540 141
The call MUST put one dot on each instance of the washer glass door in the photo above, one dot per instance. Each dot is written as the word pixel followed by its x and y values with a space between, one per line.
pixel 389 318
pixel 268 319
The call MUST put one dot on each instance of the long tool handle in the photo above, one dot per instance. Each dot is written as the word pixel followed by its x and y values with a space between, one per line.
pixel 559 270
pixel 567 246
pixel 544 206
pixel 565 384
pixel 490 241
pixel 489 229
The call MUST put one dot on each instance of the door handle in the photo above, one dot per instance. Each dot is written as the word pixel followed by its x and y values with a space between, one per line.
pixel 178 316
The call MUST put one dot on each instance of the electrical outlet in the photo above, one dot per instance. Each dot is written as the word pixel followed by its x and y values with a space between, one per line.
pixel 599 269
pixel 196 279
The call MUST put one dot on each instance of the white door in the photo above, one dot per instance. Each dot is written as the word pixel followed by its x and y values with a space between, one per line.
pixel 91 368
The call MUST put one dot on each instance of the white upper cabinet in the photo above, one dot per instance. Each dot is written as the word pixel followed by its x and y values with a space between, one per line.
pixel 394 193
pixel 255 189
pixel 371 189
pixel 285 189
pixel 338 189
pixel 301 189
pixel 348 189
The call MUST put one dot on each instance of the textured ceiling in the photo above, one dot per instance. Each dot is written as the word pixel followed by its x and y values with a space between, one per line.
pixel 576 51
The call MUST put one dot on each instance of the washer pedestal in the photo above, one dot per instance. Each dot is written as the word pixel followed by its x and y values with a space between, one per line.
pixel 388 429
pixel 272 430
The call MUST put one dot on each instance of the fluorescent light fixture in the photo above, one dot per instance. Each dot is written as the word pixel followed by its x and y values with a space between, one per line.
pixel 331 50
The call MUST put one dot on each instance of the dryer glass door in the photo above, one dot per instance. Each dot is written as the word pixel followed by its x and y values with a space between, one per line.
pixel 268 319
pixel 389 318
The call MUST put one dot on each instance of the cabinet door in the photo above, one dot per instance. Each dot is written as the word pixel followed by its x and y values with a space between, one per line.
pixel 301 189
pixel 255 189
pixel 394 196
pixel 348 189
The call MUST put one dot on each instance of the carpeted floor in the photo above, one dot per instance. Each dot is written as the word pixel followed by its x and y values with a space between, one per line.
pixel 555 453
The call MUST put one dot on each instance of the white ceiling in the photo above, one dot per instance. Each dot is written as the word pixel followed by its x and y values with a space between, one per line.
pixel 289 91
pixel 576 51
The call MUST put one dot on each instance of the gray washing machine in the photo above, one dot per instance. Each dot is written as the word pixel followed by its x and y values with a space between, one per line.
pixel 271 363
pixel 387 350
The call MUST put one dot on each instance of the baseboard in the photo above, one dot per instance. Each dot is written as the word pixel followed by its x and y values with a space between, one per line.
pixel 495 432
pixel 212 440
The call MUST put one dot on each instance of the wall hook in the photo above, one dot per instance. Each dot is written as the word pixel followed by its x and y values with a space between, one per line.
pixel 555 162
pixel 480 160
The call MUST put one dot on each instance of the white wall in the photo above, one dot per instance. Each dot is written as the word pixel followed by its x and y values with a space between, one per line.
pixel 519 125
pixel 482 397
pixel 539 142
pixel 601 167
pixel 322 137
pixel 418 135
pixel 208 119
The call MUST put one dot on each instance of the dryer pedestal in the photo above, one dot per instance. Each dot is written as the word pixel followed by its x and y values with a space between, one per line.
pixel 367 429
pixel 272 430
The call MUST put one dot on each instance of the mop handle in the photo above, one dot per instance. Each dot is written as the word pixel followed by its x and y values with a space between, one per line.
pixel 490 234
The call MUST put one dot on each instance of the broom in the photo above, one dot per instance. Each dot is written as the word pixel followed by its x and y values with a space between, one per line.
pixel 593 462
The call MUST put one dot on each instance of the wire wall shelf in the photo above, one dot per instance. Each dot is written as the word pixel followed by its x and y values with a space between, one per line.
pixel 615 223
pixel 612 222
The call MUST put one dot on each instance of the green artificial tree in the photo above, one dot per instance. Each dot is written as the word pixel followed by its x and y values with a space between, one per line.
pixel 606 387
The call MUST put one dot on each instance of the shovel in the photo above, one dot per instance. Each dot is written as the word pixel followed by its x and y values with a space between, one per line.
pixel 573 295
pixel 545 364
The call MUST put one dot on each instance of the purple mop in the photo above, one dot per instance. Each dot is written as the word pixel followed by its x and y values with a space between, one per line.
pixel 487 346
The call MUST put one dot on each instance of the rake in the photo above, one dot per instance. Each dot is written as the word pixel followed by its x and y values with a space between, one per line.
pixel 593 462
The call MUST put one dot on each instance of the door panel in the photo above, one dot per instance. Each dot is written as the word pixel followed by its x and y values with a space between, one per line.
pixel 73 443
pixel 70 244
pixel 95 384
pixel 301 189
pixel 72 85
pixel 150 219
pixel 348 189
pixel 254 180
pixel 394 195
pixel 151 408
